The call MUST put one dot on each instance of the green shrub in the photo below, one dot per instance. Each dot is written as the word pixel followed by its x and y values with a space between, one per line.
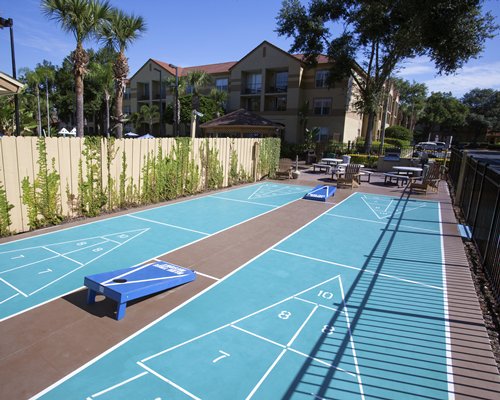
pixel 369 161
pixel 5 208
pixel 398 132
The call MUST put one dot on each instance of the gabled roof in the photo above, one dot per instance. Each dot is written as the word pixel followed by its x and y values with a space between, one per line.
pixel 266 43
pixel 241 119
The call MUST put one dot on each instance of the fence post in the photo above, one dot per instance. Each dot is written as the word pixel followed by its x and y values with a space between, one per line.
pixel 460 180
pixel 479 197
pixel 255 160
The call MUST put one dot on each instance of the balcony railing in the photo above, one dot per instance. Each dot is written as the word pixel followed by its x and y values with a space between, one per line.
pixel 278 89
pixel 253 89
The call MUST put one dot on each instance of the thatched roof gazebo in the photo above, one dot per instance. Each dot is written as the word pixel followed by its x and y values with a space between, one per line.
pixel 241 123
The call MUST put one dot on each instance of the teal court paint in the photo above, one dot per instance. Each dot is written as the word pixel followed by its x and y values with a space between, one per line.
pixel 346 307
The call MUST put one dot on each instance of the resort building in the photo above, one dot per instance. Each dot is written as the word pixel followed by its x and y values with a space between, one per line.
pixel 272 83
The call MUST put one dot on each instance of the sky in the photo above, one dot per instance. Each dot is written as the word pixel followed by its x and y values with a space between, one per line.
pixel 198 32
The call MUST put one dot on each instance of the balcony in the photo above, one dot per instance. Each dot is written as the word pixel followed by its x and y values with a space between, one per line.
pixel 278 89
pixel 253 89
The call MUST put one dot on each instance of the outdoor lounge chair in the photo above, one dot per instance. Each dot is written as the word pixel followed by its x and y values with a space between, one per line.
pixel 285 169
pixel 430 180
pixel 350 176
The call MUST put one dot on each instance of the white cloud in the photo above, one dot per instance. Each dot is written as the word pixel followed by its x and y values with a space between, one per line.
pixel 416 66
pixel 483 76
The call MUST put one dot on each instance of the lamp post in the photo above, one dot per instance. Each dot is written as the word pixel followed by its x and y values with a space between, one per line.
pixel 161 105
pixel 176 104
pixel 9 23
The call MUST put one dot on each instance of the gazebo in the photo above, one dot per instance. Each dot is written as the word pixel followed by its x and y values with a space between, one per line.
pixel 9 85
pixel 241 123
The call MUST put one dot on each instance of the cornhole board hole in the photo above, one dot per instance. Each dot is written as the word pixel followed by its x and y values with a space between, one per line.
pixel 127 284
pixel 321 193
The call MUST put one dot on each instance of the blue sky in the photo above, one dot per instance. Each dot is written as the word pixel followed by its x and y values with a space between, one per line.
pixel 197 32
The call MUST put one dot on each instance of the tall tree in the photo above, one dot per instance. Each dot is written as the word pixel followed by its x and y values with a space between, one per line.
pixel 81 18
pixel 443 114
pixel 376 36
pixel 145 115
pixel 484 111
pixel 33 80
pixel 194 81
pixel 412 96
pixel 119 32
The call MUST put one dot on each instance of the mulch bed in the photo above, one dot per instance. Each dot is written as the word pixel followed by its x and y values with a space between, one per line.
pixel 489 303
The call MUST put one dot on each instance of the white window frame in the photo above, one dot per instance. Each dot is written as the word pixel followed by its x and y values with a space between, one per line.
pixel 321 78
pixel 322 103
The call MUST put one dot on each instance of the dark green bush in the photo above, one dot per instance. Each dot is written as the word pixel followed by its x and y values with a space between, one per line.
pixel 398 132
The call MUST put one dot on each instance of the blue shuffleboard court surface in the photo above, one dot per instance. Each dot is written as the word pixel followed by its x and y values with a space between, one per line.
pixel 41 268
pixel 123 285
pixel 321 193
pixel 351 306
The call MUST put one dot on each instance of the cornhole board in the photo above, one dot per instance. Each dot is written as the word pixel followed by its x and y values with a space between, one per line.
pixel 321 193
pixel 127 284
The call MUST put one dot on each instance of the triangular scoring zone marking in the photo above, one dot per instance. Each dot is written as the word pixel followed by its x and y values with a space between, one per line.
pixel 286 347
pixel 265 191
pixel 65 254
pixel 388 211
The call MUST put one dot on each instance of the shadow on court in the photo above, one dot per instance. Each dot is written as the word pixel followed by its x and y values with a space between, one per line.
pixel 407 370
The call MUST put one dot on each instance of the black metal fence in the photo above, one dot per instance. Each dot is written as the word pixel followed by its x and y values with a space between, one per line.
pixel 478 196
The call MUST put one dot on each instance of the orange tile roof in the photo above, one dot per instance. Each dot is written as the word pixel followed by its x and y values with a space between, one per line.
pixel 209 68
pixel 321 59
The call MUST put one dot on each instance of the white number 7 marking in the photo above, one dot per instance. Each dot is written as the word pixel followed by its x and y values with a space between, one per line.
pixel 224 355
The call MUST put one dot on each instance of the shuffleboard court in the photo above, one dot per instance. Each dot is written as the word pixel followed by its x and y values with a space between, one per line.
pixel 44 267
pixel 353 305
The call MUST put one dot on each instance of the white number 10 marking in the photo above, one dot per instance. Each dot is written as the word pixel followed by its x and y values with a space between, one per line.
pixel 325 295
pixel 224 355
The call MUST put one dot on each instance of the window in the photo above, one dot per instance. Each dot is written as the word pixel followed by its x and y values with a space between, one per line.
pixel 254 83
pixel 189 89
pixel 253 104
pixel 323 134
pixel 281 81
pixel 221 84
pixel 322 106
pixel 322 76
pixel 277 103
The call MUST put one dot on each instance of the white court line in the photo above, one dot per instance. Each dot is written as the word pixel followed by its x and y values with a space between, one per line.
pixel 266 374
pixel 165 224
pixel 388 205
pixel 319 305
pixel 449 365
pixel 8 298
pixel 318 360
pixel 258 336
pixel 13 287
pixel 164 379
pixel 87 263
pixel 27 265
pixel 351 340
pixel 206 275
pixel 124 341
pixel 302 326
pixel 382 223
pixel 242 201
pixel 119 384
pixel 359 269
pixel 62 255
pixel 394 213
pixel 154 257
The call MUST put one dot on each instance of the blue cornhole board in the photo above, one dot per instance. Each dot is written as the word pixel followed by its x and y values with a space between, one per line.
pixel 127 284
pixel 321 193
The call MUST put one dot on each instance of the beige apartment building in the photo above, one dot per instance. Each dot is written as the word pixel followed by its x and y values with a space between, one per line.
pixel 271 83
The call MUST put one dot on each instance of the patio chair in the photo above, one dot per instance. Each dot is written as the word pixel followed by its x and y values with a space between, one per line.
pixel 350 176
pixel 285 169
pixel 430 180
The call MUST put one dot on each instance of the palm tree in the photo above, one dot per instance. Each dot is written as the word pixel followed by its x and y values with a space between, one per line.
pixel 81 18
pixel 119 32
pixel 146 115
pixel 102 75
pixel 220 99
pixel 196 80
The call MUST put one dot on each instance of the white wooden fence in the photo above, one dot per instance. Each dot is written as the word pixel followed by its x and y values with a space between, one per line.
pixel 19 159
